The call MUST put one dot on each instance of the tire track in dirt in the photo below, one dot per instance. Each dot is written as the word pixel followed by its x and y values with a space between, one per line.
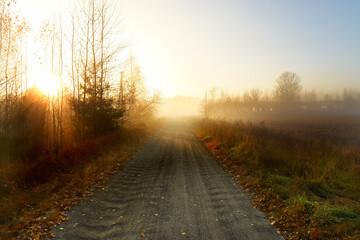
pixel 172 189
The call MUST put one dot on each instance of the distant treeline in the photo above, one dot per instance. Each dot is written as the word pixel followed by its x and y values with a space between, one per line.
pixel 287 100
pixel 96 93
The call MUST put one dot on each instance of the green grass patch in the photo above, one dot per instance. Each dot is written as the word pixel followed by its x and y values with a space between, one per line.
pixel 328 213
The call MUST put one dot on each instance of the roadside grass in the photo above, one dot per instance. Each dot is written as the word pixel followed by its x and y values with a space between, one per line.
pixel 309 187
pixel 34 195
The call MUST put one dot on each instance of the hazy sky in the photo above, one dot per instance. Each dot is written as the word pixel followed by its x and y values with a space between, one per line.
pixel 188 46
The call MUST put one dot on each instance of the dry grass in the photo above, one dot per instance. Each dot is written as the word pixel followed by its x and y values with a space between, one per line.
pixel 308 186
pixel 53 182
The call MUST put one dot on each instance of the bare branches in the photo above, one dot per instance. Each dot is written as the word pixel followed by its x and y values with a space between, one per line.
pixel 288 87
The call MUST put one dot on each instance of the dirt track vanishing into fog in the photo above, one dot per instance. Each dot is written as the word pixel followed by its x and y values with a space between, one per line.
pixel 172 189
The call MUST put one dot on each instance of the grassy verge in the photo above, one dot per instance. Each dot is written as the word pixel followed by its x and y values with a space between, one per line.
pixel 309 188
pixel 33 196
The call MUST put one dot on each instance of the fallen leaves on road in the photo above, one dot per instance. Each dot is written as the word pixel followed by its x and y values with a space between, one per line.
pixel 38 219
pixel 38 222
pixel 289 225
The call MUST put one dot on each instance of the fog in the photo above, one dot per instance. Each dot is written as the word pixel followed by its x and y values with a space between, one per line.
pixel 179 106
pixel 257 105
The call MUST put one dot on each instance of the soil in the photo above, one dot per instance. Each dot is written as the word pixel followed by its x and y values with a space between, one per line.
pixel 172 189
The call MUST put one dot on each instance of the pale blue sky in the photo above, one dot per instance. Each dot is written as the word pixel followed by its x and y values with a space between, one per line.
pixel 188 46
pixel 243 44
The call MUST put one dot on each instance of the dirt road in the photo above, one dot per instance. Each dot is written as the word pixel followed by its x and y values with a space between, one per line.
pixel 172 189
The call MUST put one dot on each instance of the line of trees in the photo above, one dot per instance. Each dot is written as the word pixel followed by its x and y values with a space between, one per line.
pixel 13 83
pixel 97 92
pixel 288 96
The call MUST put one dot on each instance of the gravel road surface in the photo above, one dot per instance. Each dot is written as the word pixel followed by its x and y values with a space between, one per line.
pixel 172 189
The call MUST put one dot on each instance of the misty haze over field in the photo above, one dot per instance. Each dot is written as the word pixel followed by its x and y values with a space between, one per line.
pixel 181 119
pixel 179 106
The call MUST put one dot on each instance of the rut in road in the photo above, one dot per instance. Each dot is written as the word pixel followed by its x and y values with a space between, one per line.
pixel 172 189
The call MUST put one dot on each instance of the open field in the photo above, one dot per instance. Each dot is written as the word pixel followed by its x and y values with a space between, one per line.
pixel 307 183
pixel 338 130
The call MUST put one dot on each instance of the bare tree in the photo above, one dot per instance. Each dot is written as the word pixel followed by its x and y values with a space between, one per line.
pixel 246 97
pixel 224 97
pixel 288 87
pixel 213 94
pixel 96 38
pixel 139 103
pixel 266 97
pixel 205 105
pixel 348 95
pixel 12 31
pixel 255 95
pixel 310 96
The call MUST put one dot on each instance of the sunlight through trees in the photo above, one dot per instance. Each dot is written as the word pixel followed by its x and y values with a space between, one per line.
pixel 74 88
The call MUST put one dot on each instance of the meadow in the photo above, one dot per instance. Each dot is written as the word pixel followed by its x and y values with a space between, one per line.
pixel 298 172
pixel 341 130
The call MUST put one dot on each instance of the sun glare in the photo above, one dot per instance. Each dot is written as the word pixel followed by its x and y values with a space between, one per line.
pixel 151 71
pixel 46 82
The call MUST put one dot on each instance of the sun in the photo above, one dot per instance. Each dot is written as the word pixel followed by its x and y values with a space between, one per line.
pixel 46 82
